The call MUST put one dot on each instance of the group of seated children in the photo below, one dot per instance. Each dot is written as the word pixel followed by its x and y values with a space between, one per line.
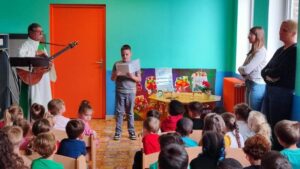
pixel 26 137
pixel 244 128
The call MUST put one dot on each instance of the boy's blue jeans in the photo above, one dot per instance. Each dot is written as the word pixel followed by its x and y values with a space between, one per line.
pixel 255 94
pixel 124 104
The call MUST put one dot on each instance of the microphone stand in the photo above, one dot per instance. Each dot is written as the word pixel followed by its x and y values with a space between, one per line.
pixel 54 44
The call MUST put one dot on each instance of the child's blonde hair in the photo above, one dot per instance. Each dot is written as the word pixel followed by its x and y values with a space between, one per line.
pixel 214 122
pixel 50 118
pixel 12 114
pixel 151 124
pixel 55 106
pixel 258 124
pixel 288 131
pixel 15 134
pixel 45 144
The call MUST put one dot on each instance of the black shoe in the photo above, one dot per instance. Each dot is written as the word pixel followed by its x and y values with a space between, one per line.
pixel 132 136
pixel 117 136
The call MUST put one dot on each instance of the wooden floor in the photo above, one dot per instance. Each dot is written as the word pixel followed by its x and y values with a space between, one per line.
pixel 113 154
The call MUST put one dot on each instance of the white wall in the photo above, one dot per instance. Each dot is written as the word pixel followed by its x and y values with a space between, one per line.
pixel 244 23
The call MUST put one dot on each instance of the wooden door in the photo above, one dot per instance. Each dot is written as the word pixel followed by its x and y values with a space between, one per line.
pixel 81 70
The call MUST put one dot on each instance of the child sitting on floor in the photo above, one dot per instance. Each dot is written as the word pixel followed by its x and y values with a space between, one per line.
pixel 9 159
pixel 232 135
pixel 11 115
pixel 173 156
pixel 45 145
pixel 229 163
pixel 15 135
pixel 196 113
pixel 164 141
pixel 72 146
pixel 85 112
pixel 214 122
pixel 219 110
pixel 242 111
pixel 255 148
pixel 26 130
pixel 37 112
pixel 38 127
pixel 176 111
pixel 185 128
pixel 150 139
pixel 57 107
pixel 257 123
pixel 213 151
pixel 153 113
pixel 288 135
pixel 274 160
pixel 156 114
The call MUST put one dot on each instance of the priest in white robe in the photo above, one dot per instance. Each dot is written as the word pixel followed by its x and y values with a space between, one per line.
pixel 40 92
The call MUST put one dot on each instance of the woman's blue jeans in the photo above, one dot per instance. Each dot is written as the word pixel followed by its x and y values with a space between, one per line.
pixel 255 94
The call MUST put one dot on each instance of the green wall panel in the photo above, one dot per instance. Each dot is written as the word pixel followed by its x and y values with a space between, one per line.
pixel 162 33
pixel 261 15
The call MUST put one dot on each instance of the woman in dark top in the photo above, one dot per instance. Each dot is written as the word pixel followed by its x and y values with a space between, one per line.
pixel 213 150
pixel 279 75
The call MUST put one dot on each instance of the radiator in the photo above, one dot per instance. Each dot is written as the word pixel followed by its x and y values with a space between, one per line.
pixel 233 92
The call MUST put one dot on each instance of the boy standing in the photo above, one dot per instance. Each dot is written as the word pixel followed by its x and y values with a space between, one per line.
pixel 125 94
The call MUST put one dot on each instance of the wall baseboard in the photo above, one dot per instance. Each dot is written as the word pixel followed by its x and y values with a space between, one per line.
pixel 110 117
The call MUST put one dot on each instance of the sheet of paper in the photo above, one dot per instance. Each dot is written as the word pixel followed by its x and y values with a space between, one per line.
pixel 129 67
pixel 122 68
pixel 134 66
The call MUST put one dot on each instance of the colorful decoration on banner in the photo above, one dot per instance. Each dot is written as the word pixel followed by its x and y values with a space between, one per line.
pixel 150 84
pixel 200 82
pixel 140 103
pixel 182 84
pixel 183 80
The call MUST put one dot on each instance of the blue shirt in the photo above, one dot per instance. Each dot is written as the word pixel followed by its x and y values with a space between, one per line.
pixel 72 148
pixel 293 155
pixel 188 142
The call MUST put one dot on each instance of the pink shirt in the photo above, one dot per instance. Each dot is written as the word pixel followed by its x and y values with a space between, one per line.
pixel 87 129
pixel 25 143
pixel 2 124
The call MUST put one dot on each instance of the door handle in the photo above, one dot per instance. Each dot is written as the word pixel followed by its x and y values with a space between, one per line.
pixel 100 64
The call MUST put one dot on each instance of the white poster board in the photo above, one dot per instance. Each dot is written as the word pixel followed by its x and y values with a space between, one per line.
pixel 164 79
pixel 128 67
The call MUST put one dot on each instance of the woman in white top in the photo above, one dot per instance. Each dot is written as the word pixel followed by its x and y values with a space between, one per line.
pixel 251 69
